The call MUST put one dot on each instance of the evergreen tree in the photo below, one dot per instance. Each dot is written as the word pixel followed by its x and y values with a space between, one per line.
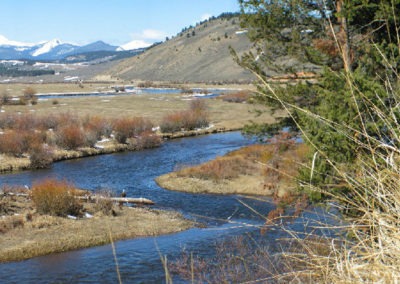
pixel 357 41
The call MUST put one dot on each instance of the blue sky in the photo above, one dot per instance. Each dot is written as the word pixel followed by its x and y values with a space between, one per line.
pixel 114 21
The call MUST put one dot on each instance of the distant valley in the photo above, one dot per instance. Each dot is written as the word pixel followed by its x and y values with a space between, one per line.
pixel 198 54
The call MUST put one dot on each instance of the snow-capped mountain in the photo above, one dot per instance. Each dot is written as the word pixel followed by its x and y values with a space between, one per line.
pixel 56 49
pixel 6 41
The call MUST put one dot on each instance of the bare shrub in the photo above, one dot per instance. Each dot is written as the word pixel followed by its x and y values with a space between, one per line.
pixel 71 137
pixel 99 126
pixel 125 128
pixel 29 92
pixel 195 117
pixel 18 142
pixel 10 143
pixel 55 197
pixel 237 97
pixel 103 202
pixel 148 140
pixel 40 156
pixel 172 122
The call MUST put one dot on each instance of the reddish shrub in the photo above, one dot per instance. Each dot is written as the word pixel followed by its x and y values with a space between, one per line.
pixel 195 117
pixel 148 140
pixel 18 142
pixel 125 128
pixel 237 97
pixel 98 126
pixel 55 197
pixel 11 143
pixel 172 122
pixel 71 137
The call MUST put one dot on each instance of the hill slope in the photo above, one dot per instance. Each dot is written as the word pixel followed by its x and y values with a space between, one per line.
pixel 199 54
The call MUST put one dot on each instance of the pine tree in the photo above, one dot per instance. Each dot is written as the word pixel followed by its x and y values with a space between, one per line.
pixel 357 41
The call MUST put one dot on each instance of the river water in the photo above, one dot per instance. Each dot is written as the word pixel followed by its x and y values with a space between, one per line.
pixel 139 259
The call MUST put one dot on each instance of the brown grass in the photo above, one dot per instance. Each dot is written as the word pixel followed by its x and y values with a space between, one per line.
pixel 47 234
pixel 252 170
pixel 30 234
pixel 154 107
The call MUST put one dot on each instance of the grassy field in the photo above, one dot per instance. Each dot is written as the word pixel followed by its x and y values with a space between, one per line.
pixel 154 107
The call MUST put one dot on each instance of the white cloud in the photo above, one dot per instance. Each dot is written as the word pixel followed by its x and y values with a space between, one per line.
pixel 205 17
pixel 143 39
pixel 134 44
pixel 149 34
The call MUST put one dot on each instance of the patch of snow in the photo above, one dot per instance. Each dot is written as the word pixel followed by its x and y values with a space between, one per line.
pixel 241 32
pixel 12 62
pixel 46 47
pixel 87 215
pixel 71 78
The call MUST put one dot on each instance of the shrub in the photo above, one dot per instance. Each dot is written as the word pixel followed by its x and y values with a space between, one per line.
pixel 40 156
pixel 29 92
pixel 148 140
pixel 19 142
pixel 99 126
pixel 195 117
pixel 172 122
pixel 71 137
pixel 11 143
pixel 55 197
pixel 103 203
pixel 125 128
pixel 238 97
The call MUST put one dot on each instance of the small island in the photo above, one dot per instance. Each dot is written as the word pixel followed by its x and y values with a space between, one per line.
pixel 26 231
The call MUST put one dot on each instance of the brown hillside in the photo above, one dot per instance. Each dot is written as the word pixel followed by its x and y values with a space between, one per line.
pixel 199 54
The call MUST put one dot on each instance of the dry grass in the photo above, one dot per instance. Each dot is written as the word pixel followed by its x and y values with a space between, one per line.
pixel 19 88
pixel 245 171
pixel 30 234
pixel 154 107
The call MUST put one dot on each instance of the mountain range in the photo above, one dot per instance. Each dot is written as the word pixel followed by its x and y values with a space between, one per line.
pixel 55 49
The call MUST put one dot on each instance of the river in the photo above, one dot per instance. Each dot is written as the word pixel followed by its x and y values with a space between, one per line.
pixel 139 259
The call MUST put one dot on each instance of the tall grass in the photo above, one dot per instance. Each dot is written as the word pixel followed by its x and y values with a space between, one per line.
pixel 370 251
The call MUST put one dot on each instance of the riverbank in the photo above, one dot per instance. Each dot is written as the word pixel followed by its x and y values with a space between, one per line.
pixel 10 163
pixel 25 234
pixel 222 115
pixel 253 170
